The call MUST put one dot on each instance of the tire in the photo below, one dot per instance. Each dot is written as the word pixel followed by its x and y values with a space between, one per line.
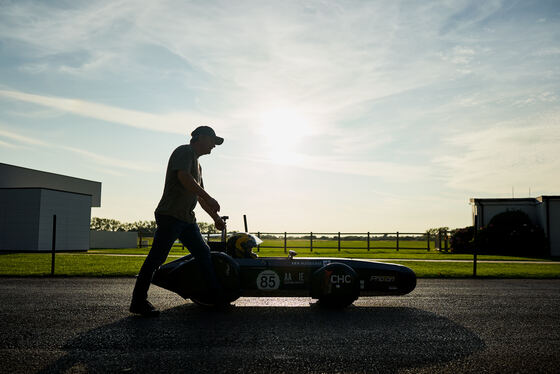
pixel 336 285
pixel 227 272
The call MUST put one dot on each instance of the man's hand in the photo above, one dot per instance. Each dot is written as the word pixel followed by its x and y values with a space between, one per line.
pixel 219 223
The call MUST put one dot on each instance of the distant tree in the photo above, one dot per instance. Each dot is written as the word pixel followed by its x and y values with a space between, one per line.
pixel 105 224
pixel 434 231
pixel 512 233
pixel 462 240
pixel 144 228
pixel 269 237
pixel 207 228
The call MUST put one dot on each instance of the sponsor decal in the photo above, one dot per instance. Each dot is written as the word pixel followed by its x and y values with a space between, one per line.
pixel 340 278
pixel 336 280
pixel 268 280
pixel 307 263
pixel 294 278
pixel 382 278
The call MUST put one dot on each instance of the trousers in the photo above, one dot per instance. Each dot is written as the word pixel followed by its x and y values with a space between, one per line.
pixel 168 230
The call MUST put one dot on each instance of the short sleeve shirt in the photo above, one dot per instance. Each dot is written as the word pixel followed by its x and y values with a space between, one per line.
pixel 177 201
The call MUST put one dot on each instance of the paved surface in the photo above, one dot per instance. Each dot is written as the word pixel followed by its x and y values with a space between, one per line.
pixel 74 325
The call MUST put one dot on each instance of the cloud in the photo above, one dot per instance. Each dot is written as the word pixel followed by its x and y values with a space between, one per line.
pixel 321 55
pixel 171 122
pixel 50 28
pixel 460 56
pixel 390 171
pixel 519 153
pixel 541 97
pixel 21 138
pixel 552 51
pixel 98 159
pixel 7 145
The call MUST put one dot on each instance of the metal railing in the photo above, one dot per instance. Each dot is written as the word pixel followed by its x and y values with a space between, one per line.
pixel 316 239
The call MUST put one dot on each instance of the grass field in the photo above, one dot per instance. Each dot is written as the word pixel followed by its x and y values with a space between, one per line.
pixel 349 249
pixel 348 244
pixel 127 262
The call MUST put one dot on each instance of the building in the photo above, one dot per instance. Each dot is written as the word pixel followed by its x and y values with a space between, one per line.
pixel 543 211
pixel 29 200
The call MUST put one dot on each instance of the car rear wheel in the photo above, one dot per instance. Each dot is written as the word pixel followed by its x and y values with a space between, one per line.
pixel 336 285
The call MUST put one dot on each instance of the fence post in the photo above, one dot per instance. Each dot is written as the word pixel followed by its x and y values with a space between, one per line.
pixel 258 246
pixel 397 241
pixel 428 235
pixel 474 249
pixel 53 244
pixel 339 241
pixel 311 241
pixel 368 241
pixel 285 242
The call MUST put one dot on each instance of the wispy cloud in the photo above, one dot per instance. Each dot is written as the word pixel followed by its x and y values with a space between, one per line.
pixel 319 55
pixel 96 158
pixel 171 122
pixel 21 138
pixel 396 172
pixel 7 145
pixel 522 153
pixel 331 58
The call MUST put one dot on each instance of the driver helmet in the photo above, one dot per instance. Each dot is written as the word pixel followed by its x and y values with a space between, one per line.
pixel 241 245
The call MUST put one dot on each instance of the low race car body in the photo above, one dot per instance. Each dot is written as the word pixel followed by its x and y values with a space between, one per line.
pixel 334 281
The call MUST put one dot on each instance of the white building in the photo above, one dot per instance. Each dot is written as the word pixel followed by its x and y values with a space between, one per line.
pixel 543 211
pixel 30 198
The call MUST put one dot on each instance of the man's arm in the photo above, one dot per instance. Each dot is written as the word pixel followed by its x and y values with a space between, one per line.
pixel 218 222
pixel 190 184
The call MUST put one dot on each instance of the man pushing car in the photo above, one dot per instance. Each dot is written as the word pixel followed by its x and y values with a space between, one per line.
pixel 175 217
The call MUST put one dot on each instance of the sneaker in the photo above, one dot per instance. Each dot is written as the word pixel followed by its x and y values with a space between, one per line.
pixel 144 308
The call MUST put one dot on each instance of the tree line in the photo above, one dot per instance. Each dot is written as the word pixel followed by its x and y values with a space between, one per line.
pixel 144 228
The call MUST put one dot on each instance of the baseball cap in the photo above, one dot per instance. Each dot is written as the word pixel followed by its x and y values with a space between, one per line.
pixel 207 130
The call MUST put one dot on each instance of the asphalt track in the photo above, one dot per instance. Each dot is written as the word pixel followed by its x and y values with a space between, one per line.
pixel 76 325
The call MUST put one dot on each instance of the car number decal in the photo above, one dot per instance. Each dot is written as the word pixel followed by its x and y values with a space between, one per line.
pixel 268 280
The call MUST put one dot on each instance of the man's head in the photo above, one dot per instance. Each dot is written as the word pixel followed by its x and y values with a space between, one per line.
pixel 204 139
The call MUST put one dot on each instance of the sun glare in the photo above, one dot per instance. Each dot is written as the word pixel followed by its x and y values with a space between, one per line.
pixel 283 130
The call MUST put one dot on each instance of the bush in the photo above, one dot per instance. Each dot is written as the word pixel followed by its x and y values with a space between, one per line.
pixel 512 233
pixel 461 240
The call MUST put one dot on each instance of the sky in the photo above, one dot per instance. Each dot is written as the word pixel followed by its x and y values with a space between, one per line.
pixel 349 116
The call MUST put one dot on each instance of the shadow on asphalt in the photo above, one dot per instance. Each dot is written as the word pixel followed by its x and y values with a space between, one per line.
pixel 190 339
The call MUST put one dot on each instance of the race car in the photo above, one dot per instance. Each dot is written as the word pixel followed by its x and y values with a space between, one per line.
pixel 335 282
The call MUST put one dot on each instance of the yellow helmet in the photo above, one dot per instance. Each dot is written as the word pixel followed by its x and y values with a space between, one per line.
pixel 241 245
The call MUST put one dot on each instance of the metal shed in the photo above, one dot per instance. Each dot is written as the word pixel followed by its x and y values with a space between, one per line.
pixel 543 211
pixel 30 198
